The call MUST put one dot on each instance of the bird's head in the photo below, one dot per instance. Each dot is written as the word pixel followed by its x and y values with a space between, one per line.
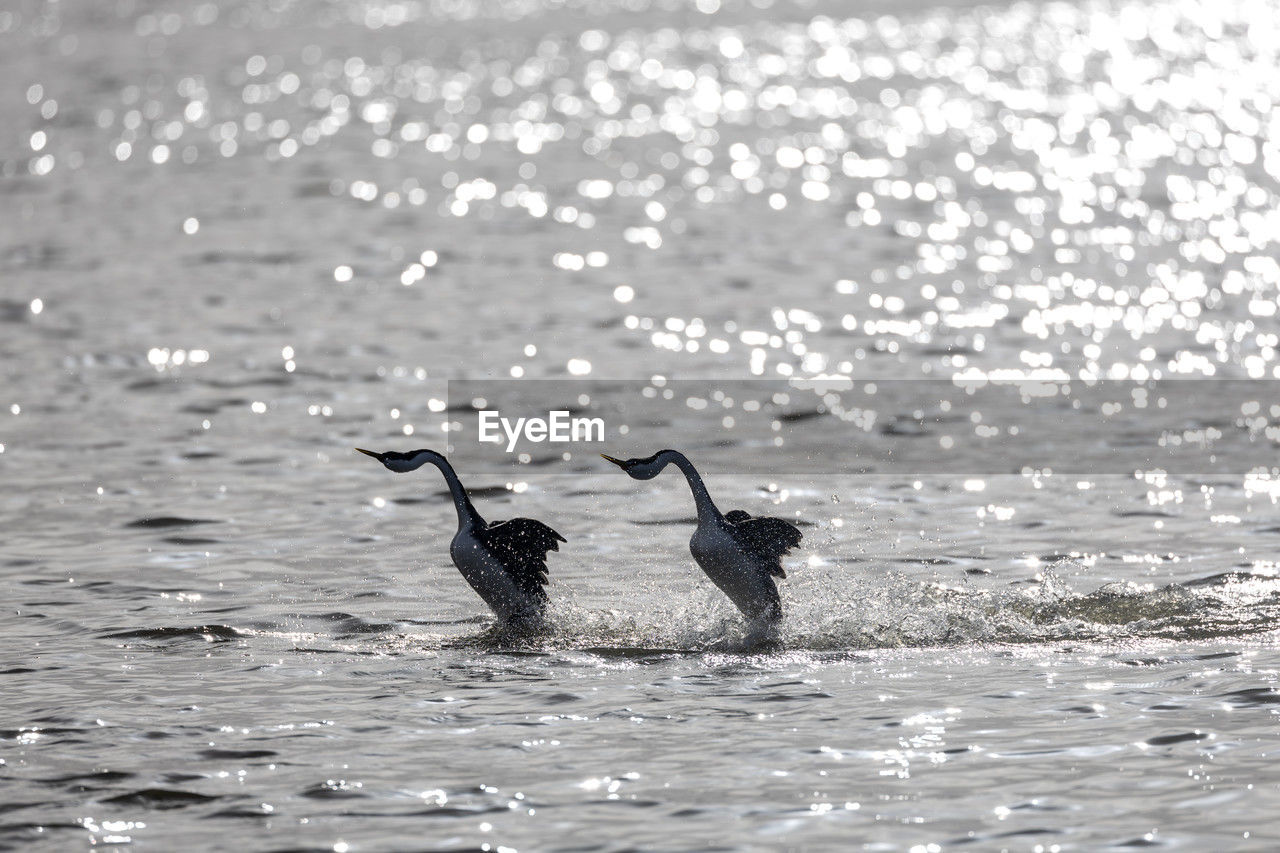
pixel 401 462
pixel 640 469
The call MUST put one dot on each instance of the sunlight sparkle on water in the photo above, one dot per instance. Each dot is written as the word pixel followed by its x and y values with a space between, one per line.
pixel 1134 148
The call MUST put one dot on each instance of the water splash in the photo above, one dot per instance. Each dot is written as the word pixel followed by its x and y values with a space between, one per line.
pixel 893 612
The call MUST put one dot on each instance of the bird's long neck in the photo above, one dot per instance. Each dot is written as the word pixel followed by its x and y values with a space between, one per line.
pixel 707 510
pixel 467 514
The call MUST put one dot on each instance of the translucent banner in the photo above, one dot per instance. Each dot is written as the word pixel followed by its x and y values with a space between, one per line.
pixel 969 427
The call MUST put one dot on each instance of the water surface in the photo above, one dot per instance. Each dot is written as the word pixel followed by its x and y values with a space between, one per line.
pixel 241 238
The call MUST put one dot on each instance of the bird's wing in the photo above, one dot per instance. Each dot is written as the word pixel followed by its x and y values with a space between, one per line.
pixel 765 538
pixel 521 546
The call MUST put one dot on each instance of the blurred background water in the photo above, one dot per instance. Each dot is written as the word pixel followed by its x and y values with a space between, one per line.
pixel 239 238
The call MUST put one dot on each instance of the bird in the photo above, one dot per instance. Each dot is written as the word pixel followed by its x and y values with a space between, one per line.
pixel 505 562
pixel 739 552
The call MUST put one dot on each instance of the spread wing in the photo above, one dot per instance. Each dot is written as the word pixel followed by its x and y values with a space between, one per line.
pixel 765 538
pixel 521 545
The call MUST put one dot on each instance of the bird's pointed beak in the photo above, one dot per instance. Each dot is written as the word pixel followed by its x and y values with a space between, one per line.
pixel 369 453
pixel 617 462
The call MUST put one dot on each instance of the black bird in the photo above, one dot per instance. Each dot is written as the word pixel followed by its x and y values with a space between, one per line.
pixel 504 561
pixel 741 553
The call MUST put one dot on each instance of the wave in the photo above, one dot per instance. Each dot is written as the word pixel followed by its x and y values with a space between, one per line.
pixel 829 614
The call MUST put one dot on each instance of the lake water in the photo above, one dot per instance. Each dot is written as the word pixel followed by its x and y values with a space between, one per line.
pixel 239 239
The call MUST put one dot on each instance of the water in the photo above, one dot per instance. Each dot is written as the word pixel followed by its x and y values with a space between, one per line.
pixel 239 239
